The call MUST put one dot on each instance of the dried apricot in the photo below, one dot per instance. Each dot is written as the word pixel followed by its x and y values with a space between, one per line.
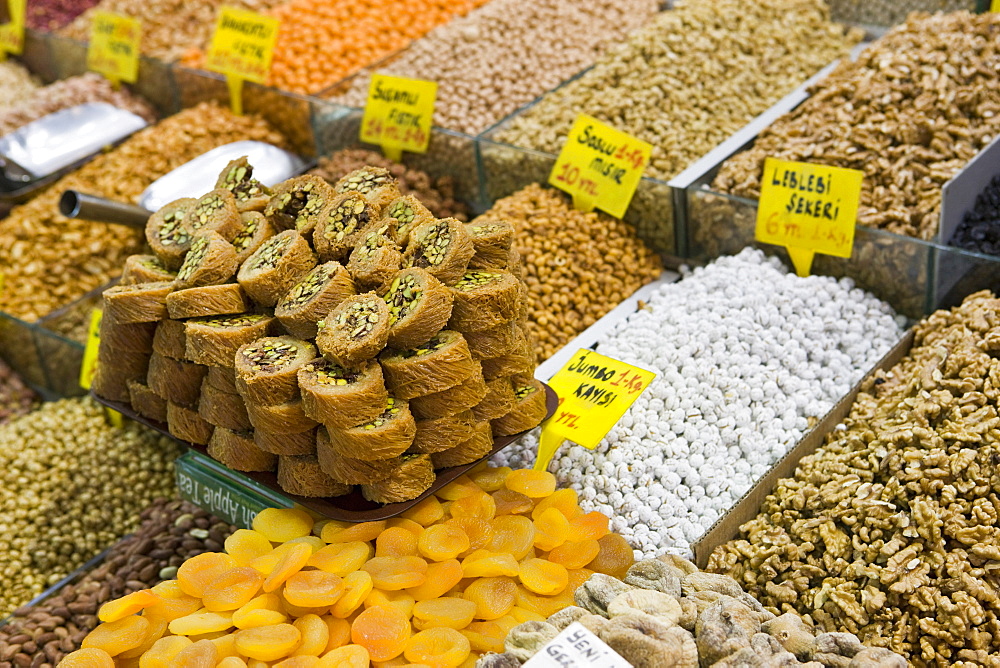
pixel 425 513
pixel 118 636
pixel 522 615
pixel 494 597
pixel 551 530
pixel 479 531
pixel 345 532
pixel 589 526
pixel 163 652
pixel 263 610
pixel 315 636
pixel 89 657
pixel 575 554
pixel 232 589
pixel 383 630
pixel 513 534
pixel 357 586
pixel 490 479
pixel 438 647
pixel 341 558
pixel 486 564
pixel 348 656
pixel 395 573
pixel 396 542
pixel 303 661
pixel 339 632
pixel 565 501
pixel 441 577
pixel 280 525
pixel 403 523
pixel 545 606
pixel 455 613
pixel 199 571
pixel 201 654
pixel 313 589
pixel 268 643
pixel 479 505
pixel 457 488
pixel 127 605
pixel 509 502
pixel 398 599
pixel 543 577
pixel 532 483
pixel 481 642
pixel 315 542
pixel 157 627
pixel 226 644
pixel 441 542
pixel 614 558
pixel 245 545
pixel 293 561
pixel 201 622
pixel 230 662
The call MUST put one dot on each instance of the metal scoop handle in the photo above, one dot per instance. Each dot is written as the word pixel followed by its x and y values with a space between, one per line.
pixel 74 204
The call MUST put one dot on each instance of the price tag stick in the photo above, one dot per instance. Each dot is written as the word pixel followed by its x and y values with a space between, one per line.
pixel 808 209
pixel 594 393
pixel 600 167
pixel 242 47
pixel 89 365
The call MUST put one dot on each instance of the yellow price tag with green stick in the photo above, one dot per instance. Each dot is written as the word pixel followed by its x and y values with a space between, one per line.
pixel 114 47
pixel 398 115
pixel 242 47
pixel 12 32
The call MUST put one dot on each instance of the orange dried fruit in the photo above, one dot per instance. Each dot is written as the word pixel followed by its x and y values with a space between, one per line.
pixel 513 534
pixel 201 622
pixel 357 586
pixel 574 554
pixel 395 573
pixel 589 526
pixel 157 627
pixel 313 589
pixel 425 513
pixel 89 657
pixel 543 577
pixel 199 571
pixel 531 483
pixel 457 488
pixel 339 632
pixel 315 636
pixel 232 589
pixel 565 501
pixel 486 564
pixel 245 545
pixel 201 654
pixel 442 576
pixel 615 557
pixel 127 605
pixel 396 542
pixel 490 479
pixel 226 645
pixel 263 610
pixel 303 661
pixel 268 643
pixel 293 561
pixel 509 502
pixel 348 656
pixel 163 652
pixel 280 525
pixel 315 542
pixel 344 532
pixel 382 630
pixel 118 636
pixel 479 505
pixel 545 606
pixel 522 615
pixel 403 523
pixel 341 558
pixel 438 647
pixel 455 613
pixel 551 530
pixel 229 662
pixel 398 599
pixel 481 642
pixel 494 597
pixel 479 531
pixel 441 542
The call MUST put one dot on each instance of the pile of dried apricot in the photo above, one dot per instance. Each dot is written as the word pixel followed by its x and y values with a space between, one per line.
pixel 439 585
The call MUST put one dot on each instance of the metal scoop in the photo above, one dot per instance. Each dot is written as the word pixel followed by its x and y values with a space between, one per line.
pixel 38 153
pixel 271 165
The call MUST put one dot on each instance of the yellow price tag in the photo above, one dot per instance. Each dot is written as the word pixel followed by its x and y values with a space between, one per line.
pixel 599 166
pixel 114 46
pixel 89 365
pixel 398 114
pixel 594 393
pixel 12 33
pixel 241 48
pixel 995 5
pixel 808 209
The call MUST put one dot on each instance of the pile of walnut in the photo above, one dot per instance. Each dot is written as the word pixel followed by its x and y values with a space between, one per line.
pixel 668 613
pixel 890 529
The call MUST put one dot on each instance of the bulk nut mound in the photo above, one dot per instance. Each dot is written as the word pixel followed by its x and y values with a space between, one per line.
pixel 170 27
pixel 327 405
pixel 54 517
pixel 892 12
pixel 50 260
pixel 440 585
pixel 507 53
pixel 437 194
pixel 17 84
pixel 322 41
pixel 170 533
pixel 888 530
pixel 16 398
pixel 748 357
pixel 50 15
pixel 666 612
pixel 917 105
pixel 572 279
pixel 691 77
pixel 89 87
